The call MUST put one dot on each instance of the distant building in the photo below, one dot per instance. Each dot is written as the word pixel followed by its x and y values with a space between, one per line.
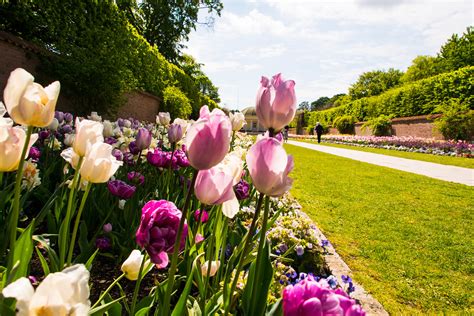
pixel 252 125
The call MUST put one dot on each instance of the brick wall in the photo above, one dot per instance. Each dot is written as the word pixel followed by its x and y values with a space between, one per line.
pixel 140 105
pixel 17 53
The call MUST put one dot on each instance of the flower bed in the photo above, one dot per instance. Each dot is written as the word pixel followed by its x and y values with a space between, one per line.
pixel 194 214
pixel 411 144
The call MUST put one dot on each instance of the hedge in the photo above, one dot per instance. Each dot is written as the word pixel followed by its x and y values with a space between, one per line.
pixel 96 53
pixel 418 98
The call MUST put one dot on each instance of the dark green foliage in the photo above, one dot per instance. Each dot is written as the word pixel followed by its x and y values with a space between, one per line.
pixel 422 67
pixel 419 98
pixel 457 121
pixel 319 103
pixel 379 126
pixel 345 124
pixel 458 51
pixel 96 53
pixel 374 83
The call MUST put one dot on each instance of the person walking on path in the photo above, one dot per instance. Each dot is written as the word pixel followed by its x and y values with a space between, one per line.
pixel 318 129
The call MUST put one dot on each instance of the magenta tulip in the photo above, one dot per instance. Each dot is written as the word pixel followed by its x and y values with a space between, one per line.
pixel 214 186
pixel 208 139
pixel 269 166
pixel 276 102
pixel 158 230
pixel 310 297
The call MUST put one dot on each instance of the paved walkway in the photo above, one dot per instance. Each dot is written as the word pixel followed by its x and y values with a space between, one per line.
pixel 429 169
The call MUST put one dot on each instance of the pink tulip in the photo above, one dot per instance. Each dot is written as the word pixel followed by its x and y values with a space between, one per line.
pixel 269 167
pixel 214 186
pixel 208 139
pixel 276 102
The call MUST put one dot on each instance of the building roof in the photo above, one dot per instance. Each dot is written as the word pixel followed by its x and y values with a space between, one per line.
pixel 249 111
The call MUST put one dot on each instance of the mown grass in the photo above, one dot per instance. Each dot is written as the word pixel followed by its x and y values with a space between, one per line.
pixel 444 160
pixel 407 238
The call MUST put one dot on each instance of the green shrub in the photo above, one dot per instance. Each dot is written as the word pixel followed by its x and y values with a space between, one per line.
pixel 379 126
pixel 457 121
pixel 176 103
pixel 417 98
pixel 345 124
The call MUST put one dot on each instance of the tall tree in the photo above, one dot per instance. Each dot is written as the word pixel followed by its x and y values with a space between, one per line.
pixel 304 106
pixel 167 23
pixel 374 83
pixel 422 67
pixel 458 51
pixel 193 69
pixel 319 103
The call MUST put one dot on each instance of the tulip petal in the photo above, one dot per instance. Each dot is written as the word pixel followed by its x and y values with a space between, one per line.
pixel 17 83
pixel 22 291
pixel 231 207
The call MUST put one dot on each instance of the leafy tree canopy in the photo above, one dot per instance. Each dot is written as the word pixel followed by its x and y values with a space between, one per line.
pixel 193 69
pixel 422 67
pixel 304 106
pixel 374 83
pixel 319 103
pixel 167 23
pixel 458 51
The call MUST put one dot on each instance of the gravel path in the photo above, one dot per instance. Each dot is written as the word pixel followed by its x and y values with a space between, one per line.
pixel 429 169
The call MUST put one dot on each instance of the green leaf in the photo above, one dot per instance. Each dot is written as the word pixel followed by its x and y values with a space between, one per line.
pixel 91 259
pixel 100 310
pixel 44 263
pixel 276 309
pixel 181 305
pixel 265 280
pixel 23 252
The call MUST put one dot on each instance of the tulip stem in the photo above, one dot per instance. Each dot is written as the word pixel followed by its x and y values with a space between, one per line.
pixel 245 251
pixel 64 232
pixel 107 291
pixel 137 286
pixel 174 259
pixel 16 200
pixel 76 224
pixel 263 231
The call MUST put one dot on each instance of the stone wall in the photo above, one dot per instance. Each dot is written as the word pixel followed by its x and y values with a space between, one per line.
pixel 18 53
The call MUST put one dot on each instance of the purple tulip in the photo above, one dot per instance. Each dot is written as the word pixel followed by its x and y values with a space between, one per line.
pixel 175 133
pixel 107 227
pixel 134 148
pixel 143 139
pixel 34 154
pixel 65 129
pixel 110 140
pixel 136 177
pixel 158 230
pixel 311 297
pixel 117 154
pixel 68 117
pixel 43 134
pixel 157 158
pixel 204 216
pixel 181 158
pixel 103 243
pixel 120 122
pixel 121 189
pixel 129 159
pixel 59 116
pixel 242 190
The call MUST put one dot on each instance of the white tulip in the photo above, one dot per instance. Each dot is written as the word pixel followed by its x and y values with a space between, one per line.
pixel 238 120
pixel 108 128
pixel 87 134
pixel 69 139
pixel 61 293
pixel 131 266
pixel 27 102
pixel 183 123
pixel 11 147
pixel 95 117
pixel 214 267
pixel 53 126
pixel 163 118
pixel 4 123
pixel 99 164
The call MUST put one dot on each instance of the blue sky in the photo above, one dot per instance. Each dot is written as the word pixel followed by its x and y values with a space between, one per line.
pixel 323 45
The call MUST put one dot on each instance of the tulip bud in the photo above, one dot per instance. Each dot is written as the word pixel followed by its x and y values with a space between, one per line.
pixel 53 126
pixel 163 118
pixel 27 102
pixel 11 147
pixel 208 139
pixel 59 116
pixel 95 117
pixel 183 123
pixel 87 134
pixel 237 120
pixel 276 102
pixel 107 227
pixel 175 133
pixel 108 128
pixel 99 164
pixel 143 139
pixel 214 268
pixel 131 266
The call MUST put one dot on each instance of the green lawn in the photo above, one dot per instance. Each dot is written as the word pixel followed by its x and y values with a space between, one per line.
pixel 444 160
pixel 407 238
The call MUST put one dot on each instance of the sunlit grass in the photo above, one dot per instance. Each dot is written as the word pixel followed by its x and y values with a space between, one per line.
pixel 444 160
pixel 407 238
